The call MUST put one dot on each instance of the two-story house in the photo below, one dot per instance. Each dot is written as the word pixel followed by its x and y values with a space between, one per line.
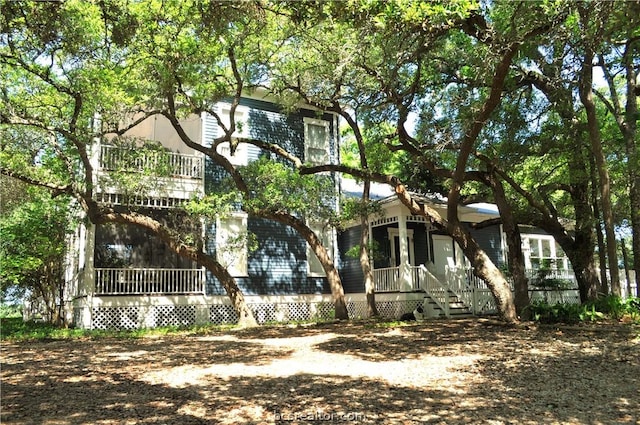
pixel 124 277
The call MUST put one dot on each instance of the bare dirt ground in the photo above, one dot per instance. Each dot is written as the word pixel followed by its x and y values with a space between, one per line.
pixel 442 372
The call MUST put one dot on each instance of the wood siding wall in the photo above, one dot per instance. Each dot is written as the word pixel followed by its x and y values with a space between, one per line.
pixel 350 270
pixel 490 240
pixel 279 265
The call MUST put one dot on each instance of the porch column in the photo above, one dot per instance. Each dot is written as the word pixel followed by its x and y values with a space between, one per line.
pixel 405 278
pixel 86 284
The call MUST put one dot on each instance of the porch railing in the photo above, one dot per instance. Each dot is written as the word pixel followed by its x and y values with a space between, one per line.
pixel 387 279
pixel 458 279
pixel 138 281
pixel 177 164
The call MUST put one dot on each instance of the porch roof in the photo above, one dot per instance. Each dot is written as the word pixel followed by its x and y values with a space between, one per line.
pixel 353 189
pixel 384 193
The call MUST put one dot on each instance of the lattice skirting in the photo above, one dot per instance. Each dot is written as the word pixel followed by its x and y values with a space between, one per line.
pixel 116 318
pixel 133 317
pixel 386 309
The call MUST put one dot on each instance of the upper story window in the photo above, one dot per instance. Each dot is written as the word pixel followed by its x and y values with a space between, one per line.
pixel 316 141
pixel 242 130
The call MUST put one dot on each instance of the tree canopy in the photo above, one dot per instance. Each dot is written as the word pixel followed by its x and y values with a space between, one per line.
pixel 477 101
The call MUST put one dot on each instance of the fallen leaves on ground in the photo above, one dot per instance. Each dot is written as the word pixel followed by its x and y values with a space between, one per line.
pixel 440 372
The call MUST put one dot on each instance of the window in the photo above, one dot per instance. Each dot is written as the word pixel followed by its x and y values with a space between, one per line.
pixel 242 130
pixel 316 141
pixel 231 243
pixel 326 236
pixel 240 155
pixel 542 252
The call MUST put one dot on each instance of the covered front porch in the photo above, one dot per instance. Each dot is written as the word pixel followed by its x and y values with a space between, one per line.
pixel 459 291
pixel 149 281
pixel 411 255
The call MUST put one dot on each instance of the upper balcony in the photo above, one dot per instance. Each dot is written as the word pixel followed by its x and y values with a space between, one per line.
pixel 149 166
pixel 156 178
pixel 166 163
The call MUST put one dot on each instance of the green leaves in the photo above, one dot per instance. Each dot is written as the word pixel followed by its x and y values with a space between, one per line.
pixel 277 187
pixel 213 205
pixel 32 239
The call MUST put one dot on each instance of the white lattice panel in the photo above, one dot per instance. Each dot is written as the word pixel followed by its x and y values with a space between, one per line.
pixel 485 302
pixel 264 313
pixel 174 315
pixel 300 312
pixel 133 317
pixel 274 313
pixel 222 314
pixel 386 309
pixel 115 318
pixel 357 309
pixel 324 311
pixel 395 309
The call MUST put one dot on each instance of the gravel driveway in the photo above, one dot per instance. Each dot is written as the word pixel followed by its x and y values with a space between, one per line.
pixel 441 372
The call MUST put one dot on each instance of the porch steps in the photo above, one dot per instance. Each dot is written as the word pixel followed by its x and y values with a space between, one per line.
pixel 457 309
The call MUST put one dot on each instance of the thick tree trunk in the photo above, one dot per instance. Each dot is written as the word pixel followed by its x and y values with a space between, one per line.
pixel 579 250
pixel 581 247
pixel 581 253
pixel 333 277
pixel 514 252
pixel 365 259
pixel 602 250
pixel 520 280
pixel 245 315
pixel 586 96
pixel 484 268
pixel 581 258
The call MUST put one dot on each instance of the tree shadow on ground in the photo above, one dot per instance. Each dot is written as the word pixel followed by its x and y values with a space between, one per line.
pixel 529 377
pixel 435 338
pixel 574 376
pixel 304 330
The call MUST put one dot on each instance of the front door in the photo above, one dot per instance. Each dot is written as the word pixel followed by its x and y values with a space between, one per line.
pixel 446 253
pixel 394 239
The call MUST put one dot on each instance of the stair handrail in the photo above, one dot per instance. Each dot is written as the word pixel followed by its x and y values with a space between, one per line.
pixel 435 289
pixel 463 290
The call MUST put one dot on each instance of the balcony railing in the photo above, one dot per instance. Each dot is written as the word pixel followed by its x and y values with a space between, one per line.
pixel 142 281
pixel 175 165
